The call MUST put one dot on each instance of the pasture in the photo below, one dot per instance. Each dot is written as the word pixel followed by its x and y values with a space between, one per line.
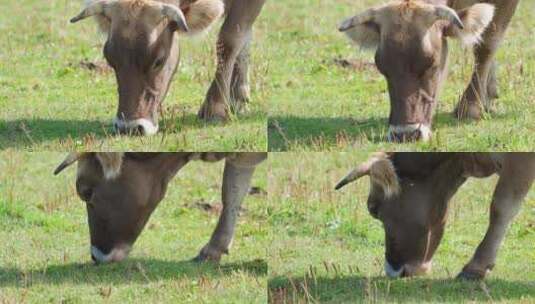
pixel 44 256
pixel 57 93
pixel 330 250
pixel 330 96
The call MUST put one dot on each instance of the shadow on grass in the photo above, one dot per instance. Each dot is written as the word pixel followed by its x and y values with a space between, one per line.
pixel 131 270
pixel 417 290
pixel 285 131
pixel 29 132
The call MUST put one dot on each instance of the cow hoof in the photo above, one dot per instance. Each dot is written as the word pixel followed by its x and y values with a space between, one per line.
pixel 203 259
pixel 468 111
pixel 239 107
pixel 213 113
pixel 470 276
pixel 239 97
pixel 208 255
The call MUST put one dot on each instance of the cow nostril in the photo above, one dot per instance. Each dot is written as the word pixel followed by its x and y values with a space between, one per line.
pixel 139 130
pixel 93 258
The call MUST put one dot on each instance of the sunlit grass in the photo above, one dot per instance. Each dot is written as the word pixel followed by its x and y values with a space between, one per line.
pixel 328 248
pixel 44 252
pixel 50 102
pixel 321 105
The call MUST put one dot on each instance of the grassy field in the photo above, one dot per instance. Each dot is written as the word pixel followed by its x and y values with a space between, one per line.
pixel 44 256
pixel 324 104
pixel 50 100
pixel 330 250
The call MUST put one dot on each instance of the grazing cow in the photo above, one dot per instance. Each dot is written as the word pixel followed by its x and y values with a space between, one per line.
pixel 409 37
pixel 121 190
pixel 410 194
pixel 142 48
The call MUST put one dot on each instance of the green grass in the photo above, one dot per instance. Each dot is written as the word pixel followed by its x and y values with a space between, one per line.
pixel 44 239
pixel 321 106
pixel 49 102
pixel 330 250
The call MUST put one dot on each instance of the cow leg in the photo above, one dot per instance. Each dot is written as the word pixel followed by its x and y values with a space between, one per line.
pixel 511 189
pixel 236 182
pixel 477 97
pixel 239 89
pixel 235 33
pixel 492 87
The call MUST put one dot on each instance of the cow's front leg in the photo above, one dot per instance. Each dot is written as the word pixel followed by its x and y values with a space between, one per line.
pixel 511 189
pixel 235 33
pixel 236 182
pixel 477 96
pixel 239 88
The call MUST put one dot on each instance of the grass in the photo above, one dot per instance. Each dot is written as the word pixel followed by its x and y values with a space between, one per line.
pixel 330 250
pixel 321 105
pixel 44 255
pixel 50 102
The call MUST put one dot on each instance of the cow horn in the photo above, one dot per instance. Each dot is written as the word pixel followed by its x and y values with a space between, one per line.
pixel 360 171
pixel 69 160
pixel 381 171
pixel 174 14
pixel 364 17
pixel 95 8
pixel 443 12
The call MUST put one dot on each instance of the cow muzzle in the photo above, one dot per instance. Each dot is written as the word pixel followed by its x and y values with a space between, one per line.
pixel 407 270
pixel 117 254
pixel 141 126
pixel 409 132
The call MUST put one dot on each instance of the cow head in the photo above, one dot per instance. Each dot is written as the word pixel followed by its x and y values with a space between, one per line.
pixel 409 194
pixel 142 49
pixel 409 39
pixel 120 192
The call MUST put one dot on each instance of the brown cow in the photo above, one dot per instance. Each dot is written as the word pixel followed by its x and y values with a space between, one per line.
pixel 410 194
pixel 142 48
pixel 409 38
pixel 121 190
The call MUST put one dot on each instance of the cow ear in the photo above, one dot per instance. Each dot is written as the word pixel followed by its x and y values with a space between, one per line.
pixel 201 14
pixel 475 20
pixel 383 174
pixel 111 163
pixel 362 31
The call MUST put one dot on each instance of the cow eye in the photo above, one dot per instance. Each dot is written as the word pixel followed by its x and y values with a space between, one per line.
pixel 84 191
pixel 158 63
pixel 373 208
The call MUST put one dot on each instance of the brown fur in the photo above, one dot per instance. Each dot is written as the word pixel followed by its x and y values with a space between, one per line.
pixel 111 164
pixel 411 51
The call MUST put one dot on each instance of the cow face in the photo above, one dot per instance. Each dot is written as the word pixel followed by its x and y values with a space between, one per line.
pixel 142 48
pixel 409 39
pixel 411 233
pixel 120 193
pixel 411 206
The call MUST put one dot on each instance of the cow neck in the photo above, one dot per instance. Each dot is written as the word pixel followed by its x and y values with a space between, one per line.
pixel 445 180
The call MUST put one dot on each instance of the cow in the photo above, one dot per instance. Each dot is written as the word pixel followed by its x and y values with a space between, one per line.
pixel 409 38
pixel 142 47
pixel 121 190
pixel 410 195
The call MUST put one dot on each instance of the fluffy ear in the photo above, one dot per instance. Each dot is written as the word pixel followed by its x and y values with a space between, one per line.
pixel 201 14
pixel 111 163
pixel 362 31
pixel 475 19
pixel 383 175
